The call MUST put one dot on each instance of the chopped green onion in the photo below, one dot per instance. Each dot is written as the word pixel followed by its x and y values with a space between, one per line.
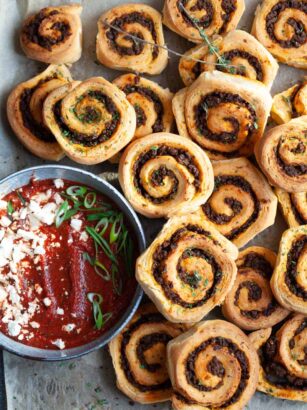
pixel 116 228
pixel 22 199
pixel 101 242
pixel 96 300
pixel 10 208
pixel 98 266
pixel 61 214
pixel 89 200
pixel 76 190
pixel 104 222
pixel 116 280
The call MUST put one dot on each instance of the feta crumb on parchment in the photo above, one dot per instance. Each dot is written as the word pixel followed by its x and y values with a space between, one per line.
pixel 58 343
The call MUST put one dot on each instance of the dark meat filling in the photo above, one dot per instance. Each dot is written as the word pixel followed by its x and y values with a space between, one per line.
pixel 300 329
pixel 216 367
pixel 258 262
pixel 183 158
pixel 229 7
pixel 291 272
pixel 31 30
pixel 151 96
pixel 300 36
pixel 212 100
pixel 275 372
pixel 252 60
pixel 254 294
pixel 90 115
pixel 221 219
pixel 145 343
pixel 299 218
pixel 136 47
pixel 291 170
pixel 166 248
pixel 38 130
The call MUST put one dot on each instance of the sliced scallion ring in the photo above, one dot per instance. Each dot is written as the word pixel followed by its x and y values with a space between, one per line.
pixel 61 213
pixel 90 199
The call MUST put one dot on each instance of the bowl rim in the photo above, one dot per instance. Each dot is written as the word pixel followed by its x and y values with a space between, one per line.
pixel 50 355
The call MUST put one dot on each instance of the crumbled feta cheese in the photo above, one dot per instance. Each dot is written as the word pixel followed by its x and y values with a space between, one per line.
pixel 60 311
pixel 70 241
pixel 59 343
pixel 3 294
pixel 59 183
pixel 3 204
pixel 35 325
pixel 69 327
pixel 76 224
pixel 84 236
pixel 58 199
pixel 5 221
pixel 2 233
pixel 38 288
pixel 39 250
pixel 47 301
pixel 18 255
pixel 13 328
pixel 23 213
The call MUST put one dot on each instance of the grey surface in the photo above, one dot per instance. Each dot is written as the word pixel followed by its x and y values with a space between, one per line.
pixel 89 383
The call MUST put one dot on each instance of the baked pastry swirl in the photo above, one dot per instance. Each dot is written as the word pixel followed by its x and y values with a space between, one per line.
pixel 242 204
pixel 281 26
pixel 289 280
pixel 53 35
pixel 139 356
pixel 224 114
pixel 282 354
pixel 91 121
pixel 188 269
pixel 151 102
pixel 114 47
pixel 244 54
pixel 294 207
pixel 163 174
pixel 282 155
pixel 24 111
pixel 214 364
pixel 214 17
pixel 290 103
pixel 250 303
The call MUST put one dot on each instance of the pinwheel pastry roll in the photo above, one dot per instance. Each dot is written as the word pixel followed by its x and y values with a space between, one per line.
pixel 214 364
pixel 290 103
pixel 92 121
pixel 242 204
pixel 190 19
pixel 293 206
pixel 188 269
pixel 139 356
pixel 151 102
pixel 289 280
pixel 282 155
pixel 240 53
pixel 250 303
pixel 53 35
pixel 24 111
pixel 164 174
pixel 281 26
pixel 282 354
pixel 117 44
pixel 225 114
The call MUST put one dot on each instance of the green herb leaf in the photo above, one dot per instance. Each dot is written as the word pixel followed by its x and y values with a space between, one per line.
pixel 61 214
pixel 22 199
pixel 10 208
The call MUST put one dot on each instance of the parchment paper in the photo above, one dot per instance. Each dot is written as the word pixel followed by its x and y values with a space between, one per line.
pixel 89 382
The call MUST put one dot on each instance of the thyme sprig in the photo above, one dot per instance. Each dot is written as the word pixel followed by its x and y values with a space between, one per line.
pixel 220 63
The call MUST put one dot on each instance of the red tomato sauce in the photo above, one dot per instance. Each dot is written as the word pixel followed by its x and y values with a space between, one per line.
pixel 66 278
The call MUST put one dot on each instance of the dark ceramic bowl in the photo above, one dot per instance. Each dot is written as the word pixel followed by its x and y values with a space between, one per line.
pixel 23 177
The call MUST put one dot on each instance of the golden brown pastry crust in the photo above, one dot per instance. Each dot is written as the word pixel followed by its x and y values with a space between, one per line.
pixel 280 25
pixel 115 50
pixel 290 103
pixel 188 269
pixel 163 174
pixel 24 111
pixel 246 57
pixel 139 356
pixel 275 378
pixel 293 206
pixel 151 102
pixel 214 364
pixel 214 17
pixel 224 114
pixel 282 155
pixel 53 35
pixel 91 121
pixel 250 303
pixel 289 280
pixel 242 203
